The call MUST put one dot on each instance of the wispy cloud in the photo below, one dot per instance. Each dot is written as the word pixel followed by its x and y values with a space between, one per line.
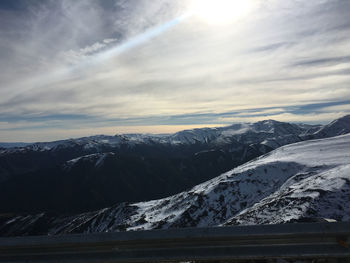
pixel 275 63
pixel 324 61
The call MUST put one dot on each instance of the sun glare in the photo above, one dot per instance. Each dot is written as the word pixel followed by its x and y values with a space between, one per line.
pixel 221 11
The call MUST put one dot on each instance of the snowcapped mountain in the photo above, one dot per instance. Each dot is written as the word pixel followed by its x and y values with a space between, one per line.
pixel 268 130
pixel 244 132
pixel 305 179
pixel 337 127
pixel 90 173
pixel 6 145
pixel 172 162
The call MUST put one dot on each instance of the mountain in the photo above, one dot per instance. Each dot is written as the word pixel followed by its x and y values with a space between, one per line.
pixel 78 175
pixel 243 132
pixel 308 179
pixel 337 127
pixel 6 145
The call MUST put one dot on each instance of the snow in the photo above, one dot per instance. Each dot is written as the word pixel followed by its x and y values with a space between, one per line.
pixel 100 160
pixel 304 179
pixel 337 127
pixel 323 194
pixel 13 144
pixel 331 151
pixel 96 158
pixel 325 172
pixel 254 132
pixel 269 132
pixel 236 129
pixel 275 188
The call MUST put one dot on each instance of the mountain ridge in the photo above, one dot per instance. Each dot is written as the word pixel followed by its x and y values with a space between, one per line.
pixel 289 183
pixel 134 168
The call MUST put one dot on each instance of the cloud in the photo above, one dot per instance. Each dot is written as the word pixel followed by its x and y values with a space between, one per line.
pixel 274 46
pixel 74 57
pixel 337 108
pixel 58 63
pixel 313 118
pixel 324 61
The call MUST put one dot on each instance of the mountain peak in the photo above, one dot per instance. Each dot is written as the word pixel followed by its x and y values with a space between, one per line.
pixel 345 118
pixel 269 121
pixel 337 127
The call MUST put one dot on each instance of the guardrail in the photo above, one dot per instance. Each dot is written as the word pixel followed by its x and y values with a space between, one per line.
pixel 289 241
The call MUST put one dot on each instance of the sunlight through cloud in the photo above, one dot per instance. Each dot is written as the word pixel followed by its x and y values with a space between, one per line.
pixel 221 11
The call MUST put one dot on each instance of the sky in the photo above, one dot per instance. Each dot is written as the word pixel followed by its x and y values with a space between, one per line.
pixel 85 67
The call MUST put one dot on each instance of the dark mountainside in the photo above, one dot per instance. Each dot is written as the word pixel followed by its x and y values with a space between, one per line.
pixel 90 173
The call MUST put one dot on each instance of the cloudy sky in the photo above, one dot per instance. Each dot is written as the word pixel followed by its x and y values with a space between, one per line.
pixel 71 68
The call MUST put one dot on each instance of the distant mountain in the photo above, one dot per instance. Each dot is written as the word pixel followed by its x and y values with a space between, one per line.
pixel 337 127
pixel 89 173
pixel 6 145
pixel 309 179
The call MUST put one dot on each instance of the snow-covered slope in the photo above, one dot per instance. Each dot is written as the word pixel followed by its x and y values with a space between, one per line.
pixel 96 158
pixel 337 127
pixel 306 179
pixel 320 189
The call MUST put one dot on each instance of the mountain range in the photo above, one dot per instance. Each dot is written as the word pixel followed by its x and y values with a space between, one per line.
pixel 306 179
